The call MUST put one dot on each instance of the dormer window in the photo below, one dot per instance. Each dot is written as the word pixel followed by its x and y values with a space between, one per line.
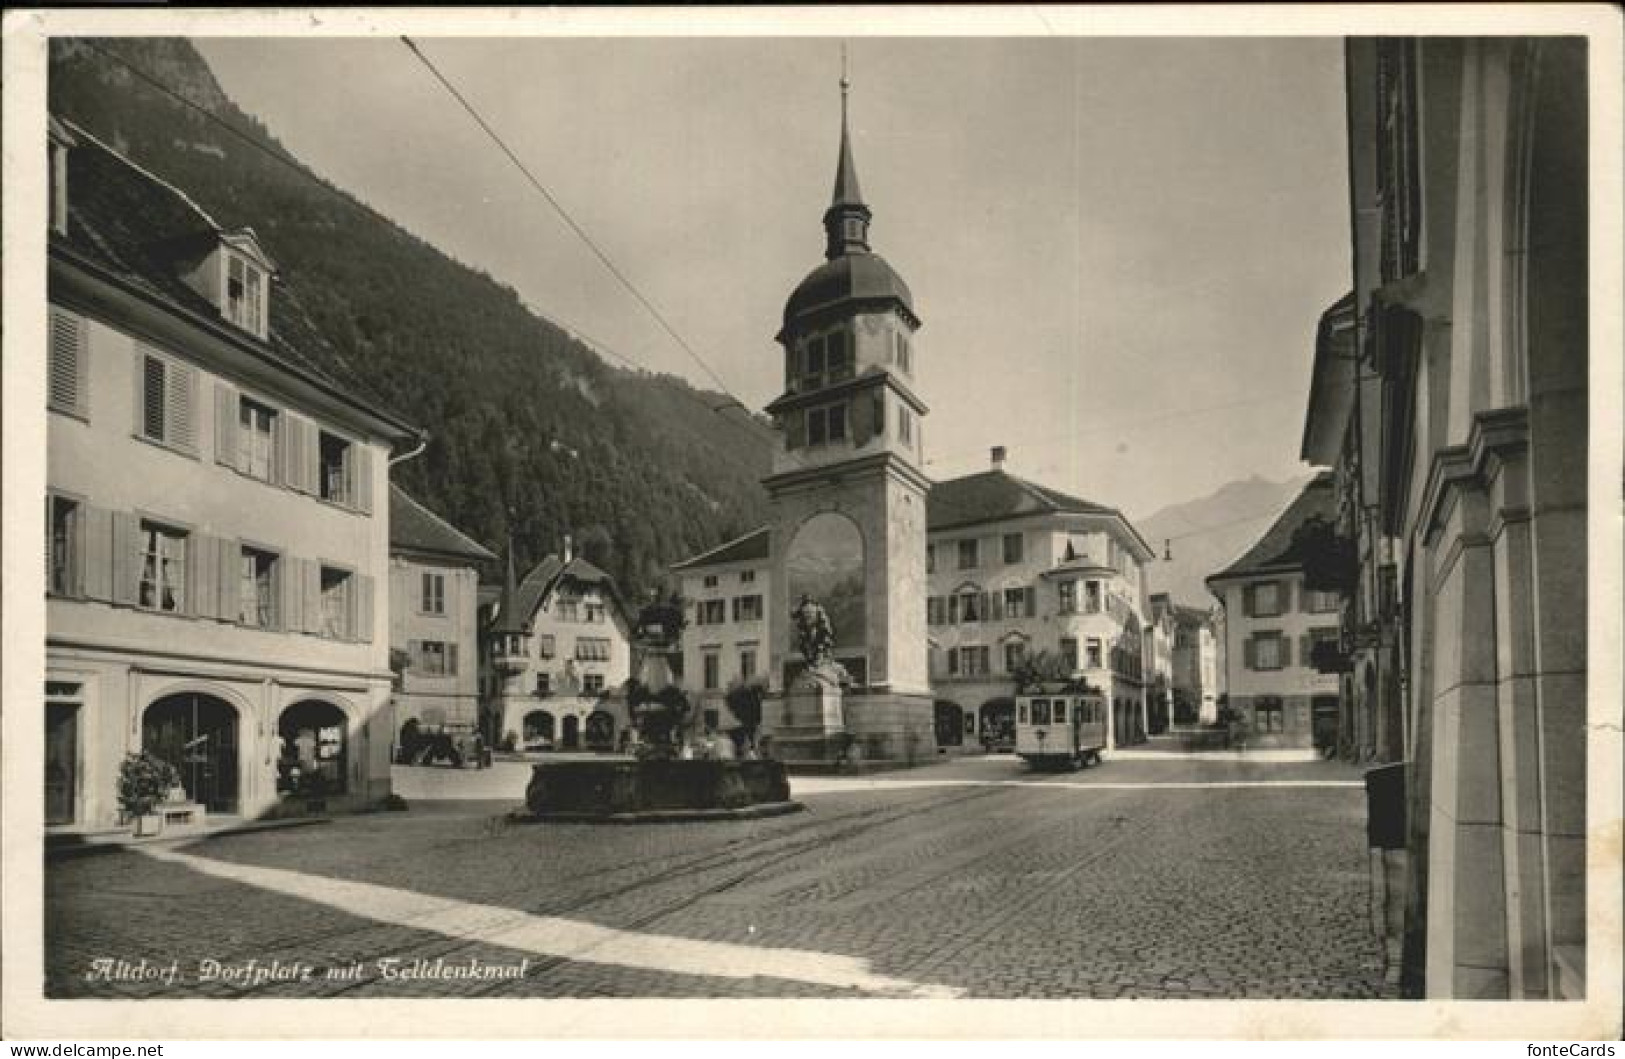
pixel 244 302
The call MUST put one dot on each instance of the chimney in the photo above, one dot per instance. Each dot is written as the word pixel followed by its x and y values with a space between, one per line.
pixel 568 552
pixel 998 457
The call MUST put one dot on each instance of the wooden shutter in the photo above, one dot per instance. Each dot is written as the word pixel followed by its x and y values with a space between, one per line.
pixel 451 659
pixel 311 594
pixel 362 472
pixel 1285 596
pixel 69 363
pixel 1286 651
pixel 291 578
pixel 203 576
pixel 1305 648
pixel 226 410
pixel 180 405
pixel 995 610
pixel 294 444
pixel 1032 601
pixel 1247 600
pixel 126 557
pixel 1250 653
pixel 228 589
pixel 96 560
pixel 364 609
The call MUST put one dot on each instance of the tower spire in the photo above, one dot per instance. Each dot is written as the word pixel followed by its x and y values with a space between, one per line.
pixel 846 222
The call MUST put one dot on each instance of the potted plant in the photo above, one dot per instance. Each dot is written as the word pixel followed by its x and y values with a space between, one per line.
pixel 144 781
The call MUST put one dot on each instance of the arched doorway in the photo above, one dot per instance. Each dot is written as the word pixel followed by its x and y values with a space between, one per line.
pixel 198 735
pixel 572 732
pixel 538 730
pixel 825 561
pixel 996 719
pixel 950 718
pixel 600 730
pixel 315 750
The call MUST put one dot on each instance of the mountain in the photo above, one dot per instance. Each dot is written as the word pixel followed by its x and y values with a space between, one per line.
pixel 1207 533
pixel 524 418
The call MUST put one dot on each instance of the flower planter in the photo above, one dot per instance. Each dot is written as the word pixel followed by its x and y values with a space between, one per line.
pixel 619 787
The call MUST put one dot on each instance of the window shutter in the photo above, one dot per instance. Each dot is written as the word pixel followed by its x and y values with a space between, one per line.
pixel 226 411
pixel 294 444
pixel 96 559
pixel 180 405
pixel 1286 651
pixel 203 576
pixel 1250 653
pixel 995 610
pixel 69 368
pixel 414 655
pixel 364 609
pixel 1247 599
pixel 451 659
pixel 953 661
pixel 126 557
pixel 1286 597
pixel 310 594
pixel 228 597
pixel 362 469
pixel 291 578
pixel 1305 649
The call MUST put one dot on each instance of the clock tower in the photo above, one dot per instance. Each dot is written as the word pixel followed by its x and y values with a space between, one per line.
pixel 847 489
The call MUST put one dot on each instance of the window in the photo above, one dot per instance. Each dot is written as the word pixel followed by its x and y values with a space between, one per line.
pixel 569 610
pixel 68 372
pixel 168 402
pixel 930 558
pixel 1060 711
pixel 1013 550
pixel 1268 714
pixel 1069 653
pixel 1091 597
pixel 544 683
pixel 747 663
pixel 592 683
pixel 1066 596
pixel 1266 599
pixel 1019 603
pixel 257 589
pixel 826 424
pixel 1319 602
pixel 710 580
pixel 546 645
pixel 594 613
pixel 968 557
pixel 713 671
pixel 64 523
pixel 712 612
pixel 902 355
pixel 1021 713
pixel 163 569
pixel 1092 652
pixel 434 593
pixel 973 661
pixel 337 587
pixel 1040 711
pixel 1267 651
pixel 245 294
pixel 1014 652
pixel 970 604
pixel 592 649
pixel 436 659
pixel 934 611
pixel 812 365
pixel 747 608
pixel 747 577
pixel 334 470
pixel 905 424
pixel 879 414
pixel 837 362
pixel 256 439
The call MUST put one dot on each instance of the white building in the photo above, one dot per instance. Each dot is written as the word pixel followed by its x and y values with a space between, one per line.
pixel 215 556
pixel 726 593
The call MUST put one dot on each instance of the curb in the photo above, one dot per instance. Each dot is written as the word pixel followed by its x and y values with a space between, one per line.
pixel 664 816
pixel 63 847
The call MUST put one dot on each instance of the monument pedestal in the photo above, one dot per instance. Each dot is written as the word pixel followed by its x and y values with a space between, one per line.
pixel 809 723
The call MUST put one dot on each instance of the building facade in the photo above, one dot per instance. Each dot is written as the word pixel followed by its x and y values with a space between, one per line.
pixel 1017 568
pixel 727 592
pixel 1195 667
pixel 1272 624
pixel 434 580
pixel 558 653
pixel 1469 213
pixel 216 555
pixel 1160 633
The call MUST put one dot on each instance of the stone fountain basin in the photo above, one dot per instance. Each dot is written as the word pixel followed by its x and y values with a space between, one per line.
pixel 638 791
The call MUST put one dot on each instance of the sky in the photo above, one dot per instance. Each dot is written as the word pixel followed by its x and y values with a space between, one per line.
pixel 1119 247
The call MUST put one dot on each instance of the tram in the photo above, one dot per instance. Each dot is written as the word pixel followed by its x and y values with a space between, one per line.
pixel 1065 730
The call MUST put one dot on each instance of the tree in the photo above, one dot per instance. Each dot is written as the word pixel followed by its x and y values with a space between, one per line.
pixel 744 700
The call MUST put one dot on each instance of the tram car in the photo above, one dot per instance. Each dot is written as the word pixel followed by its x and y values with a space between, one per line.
pixel 1066 730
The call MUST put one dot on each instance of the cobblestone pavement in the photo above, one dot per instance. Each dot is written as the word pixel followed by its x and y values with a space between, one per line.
pixel 1162 879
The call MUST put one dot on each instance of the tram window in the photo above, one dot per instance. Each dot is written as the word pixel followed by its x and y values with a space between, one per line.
pixel 1040 711
pixel 1021 713
pixel 1060 711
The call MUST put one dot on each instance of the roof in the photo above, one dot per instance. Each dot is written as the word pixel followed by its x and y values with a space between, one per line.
pixel 860 276
pixel 413 527
pixel 992 496
pixel 146 234
pixel 546 576
pixel 752 547
pixel 1275 552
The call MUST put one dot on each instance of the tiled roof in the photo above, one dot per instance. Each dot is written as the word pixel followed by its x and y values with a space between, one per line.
pixel 537 585
pixel 991 496
pixel 413 527
pixel 146 234
pixel 753 546
pixel 1274 551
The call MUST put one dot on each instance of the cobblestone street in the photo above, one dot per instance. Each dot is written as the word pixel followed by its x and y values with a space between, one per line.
pixel 1144 878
